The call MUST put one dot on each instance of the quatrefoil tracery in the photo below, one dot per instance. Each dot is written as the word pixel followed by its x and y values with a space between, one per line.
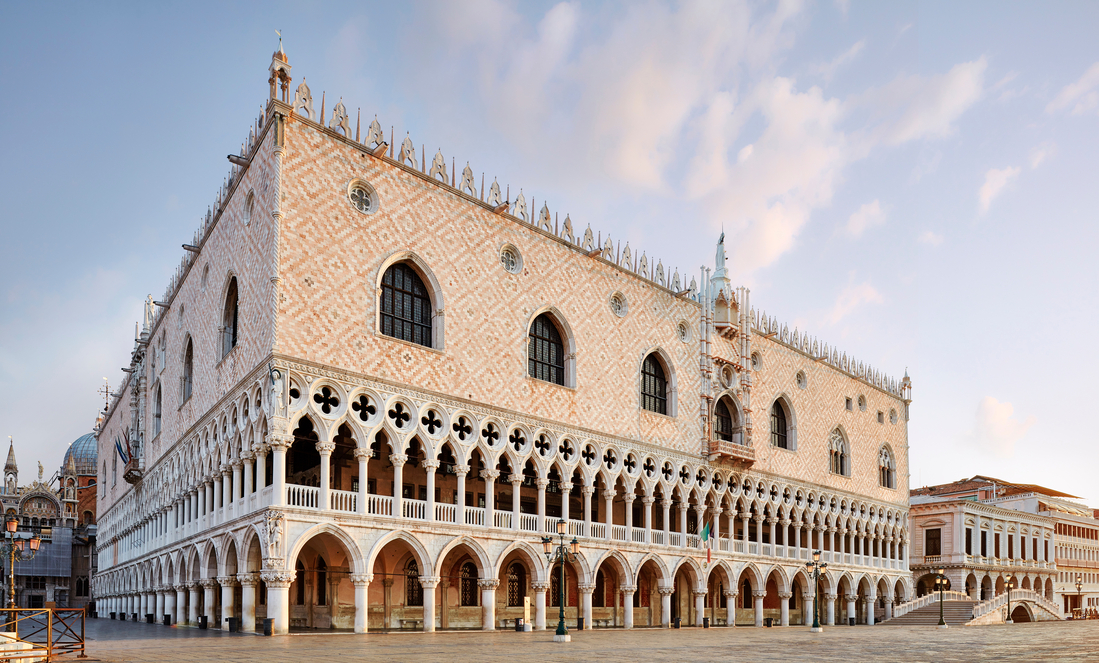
pixel 327 399
pixel 542 445
pixel 431 422
pixel 364 406
pixel 588 454
pixel 462 428
pixel 517 440
pixel 399 415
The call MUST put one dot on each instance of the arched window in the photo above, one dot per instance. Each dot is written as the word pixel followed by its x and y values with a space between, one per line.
pixel 546 352
pixel 413 590
pixel 654 386
pixel 406 305
pixel 746 595
pixel 469 584
pixel 887 475
pixel 778 426
pixel 188 369
pixel 156 413
pixel 517 585
pixel 839 462
pixel 229 319
pixel 723 422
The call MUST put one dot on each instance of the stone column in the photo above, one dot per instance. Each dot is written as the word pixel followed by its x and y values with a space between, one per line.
pixel 585 596
pixel 566 490
pixel 278 599
pixel 248 582
pixel 871 604
pixel 587 492
pixel 700 518
pixel 249 460
pixel 771 533
pixel 627 604
pixel 716 530
pixel 666 504
pixel 648 500
pixel 431 466
pixel 665 604
pixel 515 480
pixel 797 540
pixel 889 607
pixel 608 509
pixel 488 601
pixel 158 613
pixel 362 583
pixel 830 613
pixel 628 499
pixel 261 451
pixel 700 606
pixel 227 584
pixel 683 523
pixel 279 445
pixel 181 604
pixel 540 589
pixel 325 449
pixel 219 496
pixel 542 484
pixel 429 583
pixel 744 527
pixel 460 507
pixel 398 461
pixel 832 542
pixel 210 585
pixel 192 605
pixel 234 496
pixel 851 606
pixel 731 596
pixel 363 456
pixel 759 533
pixel 490 477
pixel 757 603
pixel 784 608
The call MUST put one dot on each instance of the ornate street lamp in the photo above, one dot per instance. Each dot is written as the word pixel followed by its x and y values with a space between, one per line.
pixel 561 553
pixel 1079 599
pixel 1010 586
pixel 941 582
pixel 814 568
pixel 15 550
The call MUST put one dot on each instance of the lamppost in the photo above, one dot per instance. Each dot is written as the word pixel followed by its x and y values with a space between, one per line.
pixel 561 553
pixel 1010 586
pixel 14 549
pixel 1079 599
pixel 814 568
pixel 941 581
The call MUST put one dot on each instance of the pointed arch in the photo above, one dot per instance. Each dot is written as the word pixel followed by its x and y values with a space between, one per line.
pixel 533 557
pixel 784 427
pixel 402 276
pixel 354 553
pixel 484 562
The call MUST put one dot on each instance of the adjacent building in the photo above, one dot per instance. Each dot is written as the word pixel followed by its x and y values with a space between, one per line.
pixel 376 382
pixel 985 532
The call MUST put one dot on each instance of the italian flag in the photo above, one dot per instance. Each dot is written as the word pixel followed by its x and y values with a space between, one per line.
pixel 705 540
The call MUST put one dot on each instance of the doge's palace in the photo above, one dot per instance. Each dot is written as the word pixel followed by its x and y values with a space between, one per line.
pixel 376 381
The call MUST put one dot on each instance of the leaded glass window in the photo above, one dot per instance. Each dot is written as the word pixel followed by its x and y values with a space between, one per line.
pixel 406 306
pixel 778 426
pixel 414 591
pixel 546 354
pixel 654 386
pixel 469 584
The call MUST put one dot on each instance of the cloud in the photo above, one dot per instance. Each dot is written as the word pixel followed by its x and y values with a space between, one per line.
pixel 1041 153
pixel 867 216
pixel 852 297
pixel 997 429
pixel 930 238
pixel 827 70
pixel 1081 95
pixel 995 181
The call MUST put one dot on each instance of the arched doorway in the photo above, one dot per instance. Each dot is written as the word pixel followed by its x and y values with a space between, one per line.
pixel 1020 614
pixel 646 600
pixel 464 581
pixel 321 593
pixel 719 607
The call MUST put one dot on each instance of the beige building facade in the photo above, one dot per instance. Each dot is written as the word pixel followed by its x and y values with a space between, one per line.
pixel 375 383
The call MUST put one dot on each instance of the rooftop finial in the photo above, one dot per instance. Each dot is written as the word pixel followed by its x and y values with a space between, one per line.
pixel 279 33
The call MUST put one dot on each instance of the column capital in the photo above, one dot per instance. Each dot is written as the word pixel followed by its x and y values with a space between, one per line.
pixel 430 465
pixel 361 454
pixel 208 583
pixel 730 593
pixel 587 490
pixel 665 591
pixel 490 475
pixel 429 581
pixel 851 597
pixel 628 589
pixel 647 500
pixel 830 596
pixel 183 587
pixel 785 596
pixel 757 594
pixel 515 479
pixel 237 464
pixel 609 494
pixel 326 448
pixel 540 586
pixel 260 449
pixel 629 498
pixel 398 460
pixel 358 579
pixel 696 593
pixel 461 469
pixel 489 583
pixel 277 579
pixel 541 483
pixel 227 581
pixel 586 589
pixel 247 456
pixel 248 579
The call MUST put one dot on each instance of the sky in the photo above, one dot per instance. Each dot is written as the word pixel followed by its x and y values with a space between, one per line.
pixel 905 181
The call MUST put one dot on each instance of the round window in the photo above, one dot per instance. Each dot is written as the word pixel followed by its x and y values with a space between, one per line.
pixel 683 331
pixel 618 304
pixel 510 259
pixel 360 198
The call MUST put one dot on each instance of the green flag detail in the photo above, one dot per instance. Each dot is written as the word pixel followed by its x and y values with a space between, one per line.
pixel 706 532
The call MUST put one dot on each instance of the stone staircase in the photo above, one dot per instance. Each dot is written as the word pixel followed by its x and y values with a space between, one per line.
pixel 955 613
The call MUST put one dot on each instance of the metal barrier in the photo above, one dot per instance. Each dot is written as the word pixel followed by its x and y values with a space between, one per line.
pixel 43 632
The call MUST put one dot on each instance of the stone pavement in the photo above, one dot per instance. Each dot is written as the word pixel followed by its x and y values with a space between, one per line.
pixel 1043 641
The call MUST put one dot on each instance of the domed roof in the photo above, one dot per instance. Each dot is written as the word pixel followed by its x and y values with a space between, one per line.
pixel 84 452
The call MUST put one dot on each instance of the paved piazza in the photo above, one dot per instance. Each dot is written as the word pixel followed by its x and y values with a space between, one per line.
pixel 1048 641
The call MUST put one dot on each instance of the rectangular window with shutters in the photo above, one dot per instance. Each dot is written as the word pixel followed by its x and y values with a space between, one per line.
pixel 1011 546
pixel 984 544
pixel 968 541
pixel 933 542
pixel 996 545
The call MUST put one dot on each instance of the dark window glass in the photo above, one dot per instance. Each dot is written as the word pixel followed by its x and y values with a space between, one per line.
pixel 654 386
pixel 933 542
pixel 778 426
pixel 414 591
pixel 229 323
pixel 546 355
pixel 406 306
pixel 469 584
pixel 517 585
pixel 188 369
pixel 723 422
